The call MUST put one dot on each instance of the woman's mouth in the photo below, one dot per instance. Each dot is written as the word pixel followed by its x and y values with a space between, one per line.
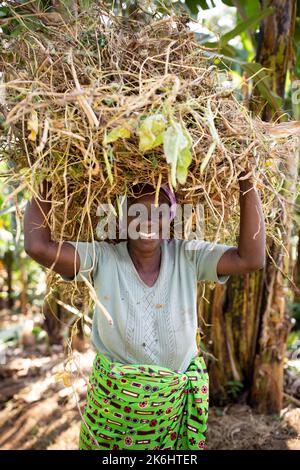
pixel 148 235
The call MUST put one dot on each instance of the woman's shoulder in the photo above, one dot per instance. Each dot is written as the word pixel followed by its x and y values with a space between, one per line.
pixel 115 249
pixel 110 246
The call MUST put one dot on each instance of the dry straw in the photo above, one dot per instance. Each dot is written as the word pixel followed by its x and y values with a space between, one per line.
pixel 95 105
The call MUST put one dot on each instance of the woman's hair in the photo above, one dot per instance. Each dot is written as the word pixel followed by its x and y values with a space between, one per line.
pixel 140 189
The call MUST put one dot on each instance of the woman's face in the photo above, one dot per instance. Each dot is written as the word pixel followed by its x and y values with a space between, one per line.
pixel 147 225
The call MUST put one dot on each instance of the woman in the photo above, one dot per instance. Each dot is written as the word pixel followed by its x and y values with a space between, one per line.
pixel 149 386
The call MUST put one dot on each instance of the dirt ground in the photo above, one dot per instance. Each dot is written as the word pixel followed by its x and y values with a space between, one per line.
pixel 39 412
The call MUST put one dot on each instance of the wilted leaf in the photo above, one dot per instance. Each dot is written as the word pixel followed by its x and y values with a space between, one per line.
pixel 33 125
pixel 151 132
pixel 107 164
pixel 65 377
pixel 177 144
pixel 115 134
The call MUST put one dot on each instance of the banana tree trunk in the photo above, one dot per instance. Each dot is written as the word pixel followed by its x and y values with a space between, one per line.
pixel 231 325
pixel 276 53
pixel 275 49
pixel 296 273
pixel 245 323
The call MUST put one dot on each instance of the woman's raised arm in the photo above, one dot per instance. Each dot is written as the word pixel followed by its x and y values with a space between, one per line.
pixel 250 255
pixel 37 237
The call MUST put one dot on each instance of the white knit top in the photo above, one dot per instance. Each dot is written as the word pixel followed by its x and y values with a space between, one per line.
pixel 152 325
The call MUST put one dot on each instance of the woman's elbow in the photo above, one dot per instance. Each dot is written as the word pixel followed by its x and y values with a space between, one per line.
pixel 34 249
pixel 255 265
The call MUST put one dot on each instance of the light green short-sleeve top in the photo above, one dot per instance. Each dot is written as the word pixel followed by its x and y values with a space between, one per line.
pixel 152 325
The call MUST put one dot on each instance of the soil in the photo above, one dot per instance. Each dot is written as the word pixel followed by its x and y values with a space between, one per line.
pixel 39 412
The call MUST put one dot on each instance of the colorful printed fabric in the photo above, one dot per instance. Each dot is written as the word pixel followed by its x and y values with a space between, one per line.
pixel 145 407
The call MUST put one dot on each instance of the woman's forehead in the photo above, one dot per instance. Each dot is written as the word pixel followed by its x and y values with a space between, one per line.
pixel 147 195
pixel 148 201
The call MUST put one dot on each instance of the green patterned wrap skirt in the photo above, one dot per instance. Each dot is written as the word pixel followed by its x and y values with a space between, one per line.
pixel 145 407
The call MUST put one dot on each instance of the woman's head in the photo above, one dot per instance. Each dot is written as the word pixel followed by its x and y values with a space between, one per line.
pixel 147 225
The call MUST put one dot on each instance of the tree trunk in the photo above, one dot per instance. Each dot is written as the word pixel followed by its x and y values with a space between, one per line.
pixel 53 320
pixel 296 277
pixel 275 52
pixel 267 385
pixel 275 49
pixel 246 324
pixel 231 332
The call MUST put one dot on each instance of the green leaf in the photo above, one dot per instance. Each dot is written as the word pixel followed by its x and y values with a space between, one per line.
pixel 151 131
pixel 248 47
pixel 4 12
pixel 244 25
pixel 17 31
pixel 115 134
pixel 185 159
pixel 250 7
pixel 193 5
pixel 102 41
pixel 177 144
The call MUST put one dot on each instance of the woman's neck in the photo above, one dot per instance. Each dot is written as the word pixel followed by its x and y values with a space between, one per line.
pixel 145 261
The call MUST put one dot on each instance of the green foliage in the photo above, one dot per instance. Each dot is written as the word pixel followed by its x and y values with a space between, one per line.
pixel 151 131
pixel 293 340
pixel 155 130
pixel 13 25
pixel 242 26
pixel 230 391
pixel 39 333
pixel 234 388
pixel 219 412
pixel 115 134
pixel 7 223
pixel 248 17
pixel 194 6
pixel 294 311
pixel 177 149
